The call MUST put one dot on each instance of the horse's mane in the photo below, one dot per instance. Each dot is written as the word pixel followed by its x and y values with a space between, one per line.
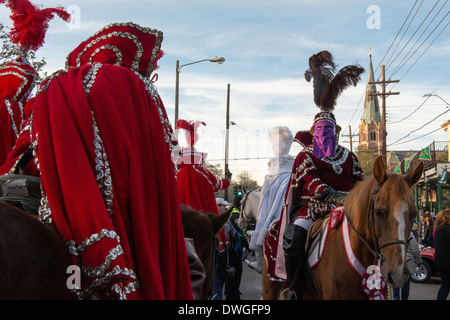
pixel 358 200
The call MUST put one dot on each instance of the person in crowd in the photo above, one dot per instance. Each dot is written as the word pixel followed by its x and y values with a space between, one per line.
pixel 221 261
pixel 236 243
pixel 414 260
pixel 426 230
pixel 442 251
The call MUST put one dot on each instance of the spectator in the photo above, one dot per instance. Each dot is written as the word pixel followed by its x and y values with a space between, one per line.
pixel 413 259
pixel 236 244
pixel 428 236
pixel 221 262
pixel 442 243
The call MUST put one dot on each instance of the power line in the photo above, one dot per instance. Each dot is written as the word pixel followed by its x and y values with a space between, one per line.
pixel 398 68
pixel 411 112
pixel 403 62
pixel 426 134
pixel 441 114
pixel 423 21
pixel 404 33
pixel 425 50
pixel 396 36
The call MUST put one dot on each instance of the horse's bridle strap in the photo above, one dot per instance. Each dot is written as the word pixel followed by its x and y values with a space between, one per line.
pixel 376 253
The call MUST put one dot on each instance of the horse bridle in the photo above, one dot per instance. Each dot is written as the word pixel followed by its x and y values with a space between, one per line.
pixel 377 251
pixel 244 201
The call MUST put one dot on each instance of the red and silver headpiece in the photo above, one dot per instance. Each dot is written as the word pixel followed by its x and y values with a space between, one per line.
pixel 124 44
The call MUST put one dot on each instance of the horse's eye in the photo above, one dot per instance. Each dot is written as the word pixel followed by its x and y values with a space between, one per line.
pixel 379 213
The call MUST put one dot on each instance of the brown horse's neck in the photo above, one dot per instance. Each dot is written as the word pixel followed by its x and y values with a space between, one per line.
pixel 361 248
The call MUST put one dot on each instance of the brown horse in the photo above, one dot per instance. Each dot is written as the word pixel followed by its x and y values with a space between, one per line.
pixel 380 211
pixel 33 258
pixel 202 228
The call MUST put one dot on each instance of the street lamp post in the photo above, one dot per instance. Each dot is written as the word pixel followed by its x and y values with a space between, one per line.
pixel 432 94
pixel 218 60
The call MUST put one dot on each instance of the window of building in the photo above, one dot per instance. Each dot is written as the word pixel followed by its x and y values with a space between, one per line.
pixel 373 136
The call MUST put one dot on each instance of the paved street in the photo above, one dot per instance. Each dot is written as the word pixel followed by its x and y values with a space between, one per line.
pixel 251 286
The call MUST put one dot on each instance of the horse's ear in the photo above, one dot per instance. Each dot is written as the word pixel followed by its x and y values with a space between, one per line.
pixel 414 176
pixel 219 220
pixel 379 170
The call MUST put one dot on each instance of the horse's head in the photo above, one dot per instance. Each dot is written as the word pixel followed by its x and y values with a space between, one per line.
pixel 202 228
pixel 386 213
pixel 249 207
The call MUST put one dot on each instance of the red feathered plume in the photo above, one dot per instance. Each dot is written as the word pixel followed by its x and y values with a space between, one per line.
pixel 191 129
pixel 31 23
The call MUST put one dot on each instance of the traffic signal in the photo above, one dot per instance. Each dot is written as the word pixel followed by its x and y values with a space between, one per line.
pixel 240 191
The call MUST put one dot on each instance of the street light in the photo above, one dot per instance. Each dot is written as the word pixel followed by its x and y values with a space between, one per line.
pixel 432 94
pixel 218 60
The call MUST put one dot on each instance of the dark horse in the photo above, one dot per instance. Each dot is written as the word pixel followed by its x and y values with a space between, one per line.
pixel 43 256
pixel 380 211
pixel 202 228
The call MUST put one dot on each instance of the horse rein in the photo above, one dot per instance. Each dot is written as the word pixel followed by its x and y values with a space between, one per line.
pixel 244 201
pixel 377 252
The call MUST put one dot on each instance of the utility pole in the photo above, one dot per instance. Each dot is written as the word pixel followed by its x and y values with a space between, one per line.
pixel 227 126
pixel 350 135
pixel 383 95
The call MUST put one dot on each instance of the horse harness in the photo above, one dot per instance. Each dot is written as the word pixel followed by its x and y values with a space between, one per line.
pixel 377 251
pixel 244 201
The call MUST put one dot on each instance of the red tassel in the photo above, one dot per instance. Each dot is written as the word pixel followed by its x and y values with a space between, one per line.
pixel 31 23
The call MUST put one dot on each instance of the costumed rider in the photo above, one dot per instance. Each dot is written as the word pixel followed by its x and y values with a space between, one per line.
pixel 324 171
pixel 273 190
pixel 18 78
pixel 104 146
pixel 197 186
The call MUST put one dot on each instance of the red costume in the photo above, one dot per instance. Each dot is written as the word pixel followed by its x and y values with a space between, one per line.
pixel 103 144
pixel 196 185
pixel 17 80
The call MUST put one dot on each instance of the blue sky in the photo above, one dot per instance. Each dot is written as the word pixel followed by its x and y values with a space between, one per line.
pixel 267 45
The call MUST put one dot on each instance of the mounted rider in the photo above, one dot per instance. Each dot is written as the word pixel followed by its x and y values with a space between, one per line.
pixel 197 186
pixel 324 171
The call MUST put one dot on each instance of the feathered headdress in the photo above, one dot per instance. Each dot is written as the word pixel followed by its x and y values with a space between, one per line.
pixel 31 23
pixel 191 130
pixel 327 85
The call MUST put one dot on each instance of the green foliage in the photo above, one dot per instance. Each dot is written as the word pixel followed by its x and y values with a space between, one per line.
pixel 366 159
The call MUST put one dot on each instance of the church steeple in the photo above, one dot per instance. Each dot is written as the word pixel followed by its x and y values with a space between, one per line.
pixel 370 126
pixel 371 106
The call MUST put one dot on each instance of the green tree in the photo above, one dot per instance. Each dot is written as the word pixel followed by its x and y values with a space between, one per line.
pixel 366 159
pixel 243 178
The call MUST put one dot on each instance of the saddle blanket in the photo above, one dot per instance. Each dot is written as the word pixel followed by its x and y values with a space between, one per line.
pixel 317 246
